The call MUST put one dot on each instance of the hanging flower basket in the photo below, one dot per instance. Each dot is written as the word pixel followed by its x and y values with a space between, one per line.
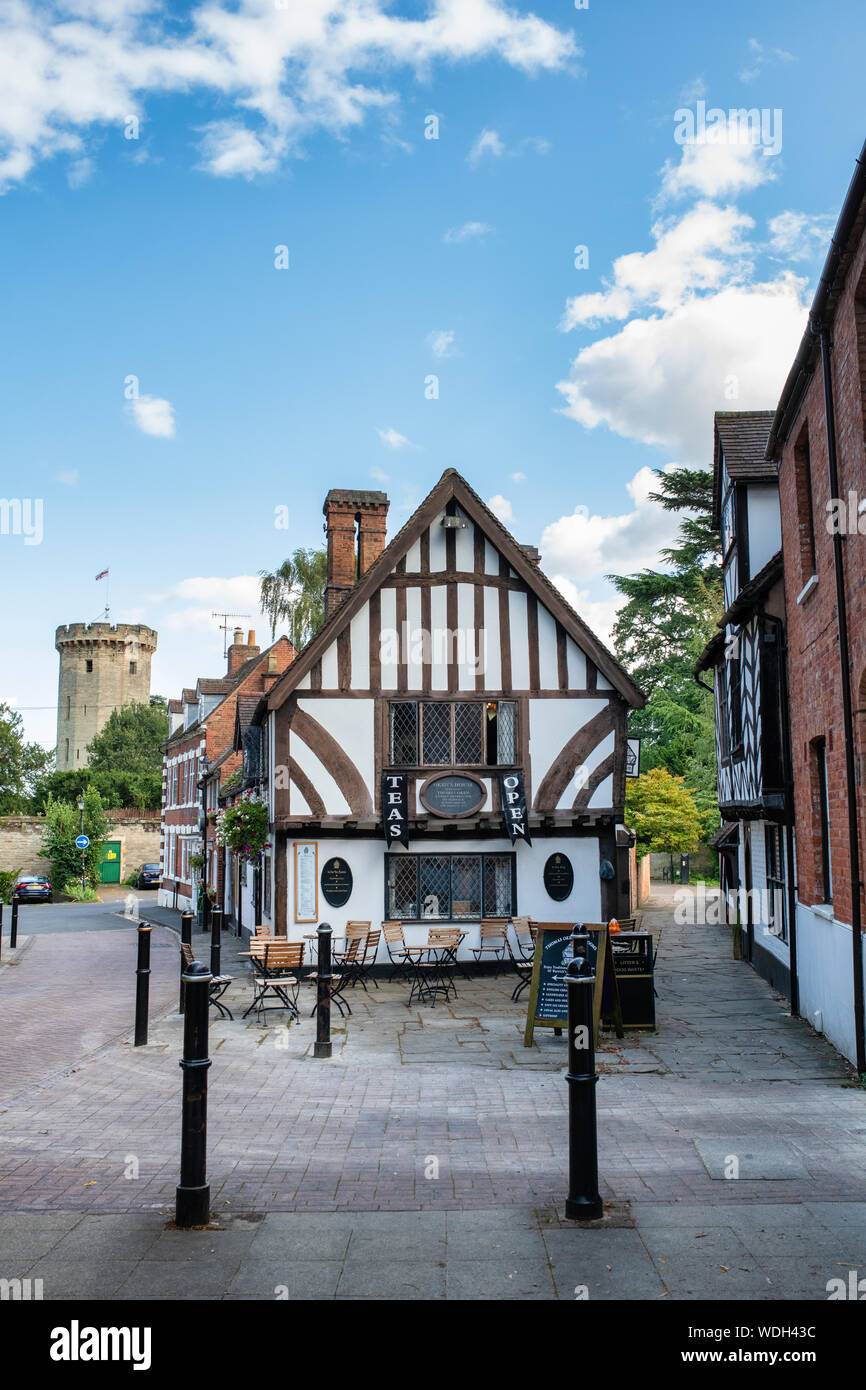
pixel 243 828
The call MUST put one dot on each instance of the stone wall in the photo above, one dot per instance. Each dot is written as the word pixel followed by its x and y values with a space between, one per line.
pixel 21 840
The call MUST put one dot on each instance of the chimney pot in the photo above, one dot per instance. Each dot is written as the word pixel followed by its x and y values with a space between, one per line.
pixel 251 640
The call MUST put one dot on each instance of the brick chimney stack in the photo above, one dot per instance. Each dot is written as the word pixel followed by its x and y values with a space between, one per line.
pixel 241 651
pixel 355 523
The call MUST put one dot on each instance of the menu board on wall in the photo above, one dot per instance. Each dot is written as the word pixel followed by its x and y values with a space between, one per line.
pixel 306 881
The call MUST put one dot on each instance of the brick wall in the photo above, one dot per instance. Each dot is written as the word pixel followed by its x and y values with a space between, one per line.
pixel 813 632
pixel 21 840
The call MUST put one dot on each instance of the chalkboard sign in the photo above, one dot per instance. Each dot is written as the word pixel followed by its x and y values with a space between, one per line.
pixel 451 795
pixel 548 990
pixel 337 882
pixel 633 966
pixel 558 877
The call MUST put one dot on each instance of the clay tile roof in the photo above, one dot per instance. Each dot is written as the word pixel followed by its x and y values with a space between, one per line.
pixel 246 708
pixel 175 706
pixel 744 435
pixel 209 686
pixel 189 697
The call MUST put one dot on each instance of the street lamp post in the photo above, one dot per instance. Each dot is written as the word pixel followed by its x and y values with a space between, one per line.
pixel 204 769
pixel 83 852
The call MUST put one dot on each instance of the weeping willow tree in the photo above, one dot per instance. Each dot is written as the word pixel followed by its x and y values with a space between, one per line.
pixel 294 594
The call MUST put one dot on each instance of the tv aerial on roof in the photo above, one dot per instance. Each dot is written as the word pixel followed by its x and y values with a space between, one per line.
pixel 225 626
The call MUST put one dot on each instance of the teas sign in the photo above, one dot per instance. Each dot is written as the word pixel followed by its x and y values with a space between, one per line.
pixel 513 795
pixel 395 807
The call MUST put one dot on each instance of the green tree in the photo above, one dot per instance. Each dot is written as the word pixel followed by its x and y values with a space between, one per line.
pixel 130 741
pixel 661 810
pixel 21 763
pixel 62 825
pixel 667 619
pixel 295 594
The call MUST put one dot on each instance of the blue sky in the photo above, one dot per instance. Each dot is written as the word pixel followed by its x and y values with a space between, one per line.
pixel 264 125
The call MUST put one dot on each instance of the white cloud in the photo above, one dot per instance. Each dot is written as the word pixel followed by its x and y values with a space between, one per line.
pixel 501 508
pixel 379 475
pixel 797 236
pixel 442 342
pixel 760 57
pixel 392 440
pixel 68 477
pixel 716 168
pixel 660 378
pixel 693 252
pixel 518 477
pixel 598 614
pixel 586 547
pixel 467 232
pixel 280 72
pixel 694 90
pixel 488 142
pixel 702 332
pixel 153 415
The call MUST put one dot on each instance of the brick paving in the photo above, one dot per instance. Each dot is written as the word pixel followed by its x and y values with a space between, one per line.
pixel 445 1090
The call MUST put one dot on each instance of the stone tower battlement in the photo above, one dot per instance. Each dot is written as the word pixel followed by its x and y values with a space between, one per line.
pixel 103 666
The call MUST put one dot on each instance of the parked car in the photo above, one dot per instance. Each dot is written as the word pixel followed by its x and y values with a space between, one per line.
pixel 148 876
pixel 33 889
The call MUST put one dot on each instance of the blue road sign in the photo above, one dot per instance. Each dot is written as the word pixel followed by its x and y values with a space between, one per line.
pixel 82 842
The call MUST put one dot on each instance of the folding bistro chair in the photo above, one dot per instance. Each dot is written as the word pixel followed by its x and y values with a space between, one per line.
pixel 362 970
pixel 398 952
pixel 342 968
pixel 218 985
pixel 522 956
pixel 492 941
pixel 277 977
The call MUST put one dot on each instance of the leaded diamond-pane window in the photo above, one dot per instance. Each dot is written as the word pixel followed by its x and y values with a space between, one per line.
pixel 436 730
pixel 402 890
pixel 404 733
pixel 449 887
pixel 506 740
pixel 468 732
pixel 497 885
pixel 466 885
pixel 435 885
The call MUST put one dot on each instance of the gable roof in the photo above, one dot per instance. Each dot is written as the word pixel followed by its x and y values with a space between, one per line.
pixel 741 435
pixel 224 686
pixel 453 485
pixel 207 685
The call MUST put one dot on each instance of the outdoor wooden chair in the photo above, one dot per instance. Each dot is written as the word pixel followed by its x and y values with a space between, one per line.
pixel 278 977
pixel 342 968
pixel 218 985
pixel 362 971
pixel 398 951
pixel 522 953
pixel 492 940
pixel 263 929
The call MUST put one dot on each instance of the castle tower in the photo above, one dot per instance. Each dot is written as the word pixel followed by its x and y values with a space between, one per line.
pixel 103 666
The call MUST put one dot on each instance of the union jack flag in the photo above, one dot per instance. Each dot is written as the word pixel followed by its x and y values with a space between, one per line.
pixel 102 574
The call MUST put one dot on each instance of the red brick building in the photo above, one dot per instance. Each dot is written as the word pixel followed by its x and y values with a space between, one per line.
pixel 817 437
pixel 203 723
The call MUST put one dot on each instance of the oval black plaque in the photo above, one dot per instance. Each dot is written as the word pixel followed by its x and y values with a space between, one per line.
pixel 558 877
pixel 336 882
pixel 453 795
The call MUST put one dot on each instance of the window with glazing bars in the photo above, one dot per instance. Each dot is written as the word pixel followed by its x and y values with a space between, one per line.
pixel 437 887
pixel 453 733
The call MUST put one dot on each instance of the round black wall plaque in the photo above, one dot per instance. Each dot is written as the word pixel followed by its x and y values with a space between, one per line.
pixel 558 877
pixel 453 794
pixel 336 882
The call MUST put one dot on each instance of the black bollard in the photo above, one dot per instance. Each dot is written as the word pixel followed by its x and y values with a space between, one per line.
pixel 142 985
pixel 583 1202
pixel 186 922
pixel 216 943
pixel 13 933
pixel 192 1206
pixel 322 1046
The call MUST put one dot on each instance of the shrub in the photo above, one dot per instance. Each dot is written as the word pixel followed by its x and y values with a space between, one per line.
pixel 74 890
pixel 62 825
pixel 7 883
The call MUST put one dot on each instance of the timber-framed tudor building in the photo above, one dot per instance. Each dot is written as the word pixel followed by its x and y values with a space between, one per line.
pixel 452 725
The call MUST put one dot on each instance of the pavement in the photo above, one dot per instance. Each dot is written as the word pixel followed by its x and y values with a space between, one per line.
pixel 428 1157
